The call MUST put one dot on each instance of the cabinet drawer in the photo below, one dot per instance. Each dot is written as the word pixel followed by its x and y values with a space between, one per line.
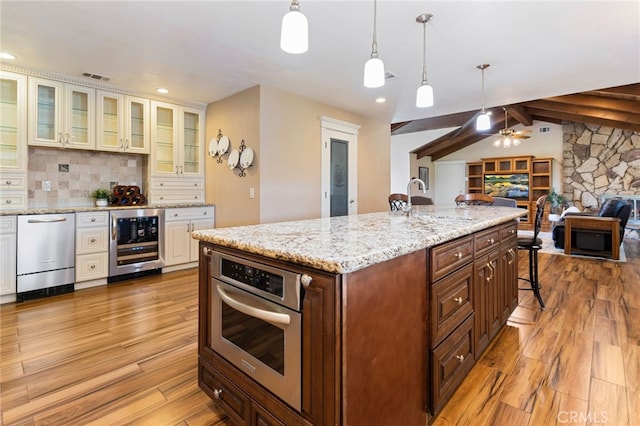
pixel 234 402
pixel 508 231
pixel 178 197
pixel 450 303
pixel 92 219
pixel 205 212
pixel 177 183
pixel 92 266
pixel 486 240
pixel 10 200
pixel 451 362
pixel 8 225
pixel 13 182
pixel 92 240
pixel 450 256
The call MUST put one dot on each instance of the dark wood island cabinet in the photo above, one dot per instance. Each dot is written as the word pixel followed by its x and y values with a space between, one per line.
pixel 386 342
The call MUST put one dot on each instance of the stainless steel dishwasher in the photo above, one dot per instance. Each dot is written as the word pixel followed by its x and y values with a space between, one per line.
pixel 45 255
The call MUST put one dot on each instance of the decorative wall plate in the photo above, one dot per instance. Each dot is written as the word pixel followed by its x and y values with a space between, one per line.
pixel 246 158
pixel 234 157
pixel 213 147
pixel 223 145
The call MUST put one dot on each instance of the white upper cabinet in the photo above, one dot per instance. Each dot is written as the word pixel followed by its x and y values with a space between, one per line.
pixel 122 123
pixel 61 115
pixel 177 135
pixel 13 122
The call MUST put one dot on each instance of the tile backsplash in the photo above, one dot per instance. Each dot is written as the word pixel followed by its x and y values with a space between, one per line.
pixel 75 174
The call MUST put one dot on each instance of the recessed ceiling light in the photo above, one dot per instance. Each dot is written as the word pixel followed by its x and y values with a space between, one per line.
pixel 381 100
pixel 5 55
pixel 162 90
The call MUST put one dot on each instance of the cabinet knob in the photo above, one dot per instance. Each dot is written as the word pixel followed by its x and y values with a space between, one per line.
pixel 306 280
pixel 93 219
pixel 491 241
pixel 460 358
pixel 92 266
pixel 217 393
pixel 458 255
pixel 93 240
pixel 8 201
pixel 458 299
pixel 207 251
pixel 8 182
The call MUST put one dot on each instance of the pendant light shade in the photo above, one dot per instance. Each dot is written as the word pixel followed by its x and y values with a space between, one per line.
pixel 424 95
pixel 294 36
pixel 483 122
pixel 374 67
pixel 374 72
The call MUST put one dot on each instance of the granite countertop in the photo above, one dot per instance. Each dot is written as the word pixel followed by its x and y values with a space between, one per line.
pixel 81 209
pixel 348 243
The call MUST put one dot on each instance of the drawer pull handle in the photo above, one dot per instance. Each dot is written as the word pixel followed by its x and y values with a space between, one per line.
pixel 460 358
pixel 93 240
pixel 217 393
pixel 458 255
pixel 458 299
pixel 491 241
pixel 92 266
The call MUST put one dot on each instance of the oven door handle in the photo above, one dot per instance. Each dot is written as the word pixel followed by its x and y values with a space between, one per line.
pixel 269 316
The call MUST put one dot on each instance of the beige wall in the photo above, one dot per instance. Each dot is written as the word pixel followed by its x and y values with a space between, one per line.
pixel 284 130
pixel 238 117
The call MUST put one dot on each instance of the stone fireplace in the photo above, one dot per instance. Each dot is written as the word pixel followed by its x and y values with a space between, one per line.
pixel 599 160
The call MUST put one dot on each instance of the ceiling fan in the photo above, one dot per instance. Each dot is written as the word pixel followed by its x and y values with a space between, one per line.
pixel 509 137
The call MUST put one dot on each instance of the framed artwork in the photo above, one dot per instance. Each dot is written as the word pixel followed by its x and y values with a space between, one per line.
pixel 424 176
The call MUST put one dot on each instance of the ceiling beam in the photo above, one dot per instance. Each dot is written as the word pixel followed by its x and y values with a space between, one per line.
pixel 432 123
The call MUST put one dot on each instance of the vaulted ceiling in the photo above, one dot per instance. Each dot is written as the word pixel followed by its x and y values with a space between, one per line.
pixel 617 107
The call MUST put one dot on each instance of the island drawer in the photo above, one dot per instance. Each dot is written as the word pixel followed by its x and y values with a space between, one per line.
pixel 448 257
pixel 509 230
pixel 450 303
pixel 235 402
pixel 451 362
pixel 486 240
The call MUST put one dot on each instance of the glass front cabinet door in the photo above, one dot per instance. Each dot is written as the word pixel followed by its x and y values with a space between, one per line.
pixel 177 134
pixel 122 123
pixel 13 122
pixel 61 115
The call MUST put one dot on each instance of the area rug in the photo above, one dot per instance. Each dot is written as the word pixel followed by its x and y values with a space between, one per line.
pixel 548 248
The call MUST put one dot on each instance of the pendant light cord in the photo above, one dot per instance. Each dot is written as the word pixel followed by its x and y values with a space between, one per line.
pixel 424 52
pixel 374 44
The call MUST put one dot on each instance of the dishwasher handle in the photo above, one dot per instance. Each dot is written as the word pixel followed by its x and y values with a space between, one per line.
pixel 57 219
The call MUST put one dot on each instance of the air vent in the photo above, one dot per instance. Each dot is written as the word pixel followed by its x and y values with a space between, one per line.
pixel 389 75
pixel 545 129
pixel 95 76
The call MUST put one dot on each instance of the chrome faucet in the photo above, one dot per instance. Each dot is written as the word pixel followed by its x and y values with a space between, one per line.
pixel 407 208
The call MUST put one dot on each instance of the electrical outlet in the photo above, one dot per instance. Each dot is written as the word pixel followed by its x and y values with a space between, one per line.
pixel 46 185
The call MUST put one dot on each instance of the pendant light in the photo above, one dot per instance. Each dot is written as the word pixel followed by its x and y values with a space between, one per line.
pixel 483 122
pixel 374 67
pixel 424 95
pixel 294 36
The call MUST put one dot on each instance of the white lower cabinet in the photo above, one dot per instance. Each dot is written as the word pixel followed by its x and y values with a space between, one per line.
pixel 8 235
pixel 92 247
pixel 179 247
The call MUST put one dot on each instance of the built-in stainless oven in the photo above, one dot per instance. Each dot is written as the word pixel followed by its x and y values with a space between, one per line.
pixel 136 243
pixel 257 322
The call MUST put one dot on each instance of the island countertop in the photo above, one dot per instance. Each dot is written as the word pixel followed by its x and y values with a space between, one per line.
pixel 348 243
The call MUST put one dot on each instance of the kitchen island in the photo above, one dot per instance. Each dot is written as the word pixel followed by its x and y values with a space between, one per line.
pixel 395 310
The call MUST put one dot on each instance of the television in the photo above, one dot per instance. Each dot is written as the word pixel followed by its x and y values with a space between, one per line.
pixel 515 186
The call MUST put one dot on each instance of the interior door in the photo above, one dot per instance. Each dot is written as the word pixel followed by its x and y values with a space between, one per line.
pixel 339 168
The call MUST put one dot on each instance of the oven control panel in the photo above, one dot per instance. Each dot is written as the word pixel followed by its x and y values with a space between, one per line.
pixel 254 277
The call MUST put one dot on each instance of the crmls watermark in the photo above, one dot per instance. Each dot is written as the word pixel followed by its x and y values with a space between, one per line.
pixel 592 417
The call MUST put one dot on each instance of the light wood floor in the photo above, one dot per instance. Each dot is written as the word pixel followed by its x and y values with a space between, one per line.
pixel 127 354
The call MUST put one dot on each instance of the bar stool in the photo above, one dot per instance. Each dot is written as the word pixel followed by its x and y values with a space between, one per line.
pixel 533 244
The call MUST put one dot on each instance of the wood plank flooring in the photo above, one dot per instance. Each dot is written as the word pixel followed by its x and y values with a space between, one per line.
pixel 127 354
